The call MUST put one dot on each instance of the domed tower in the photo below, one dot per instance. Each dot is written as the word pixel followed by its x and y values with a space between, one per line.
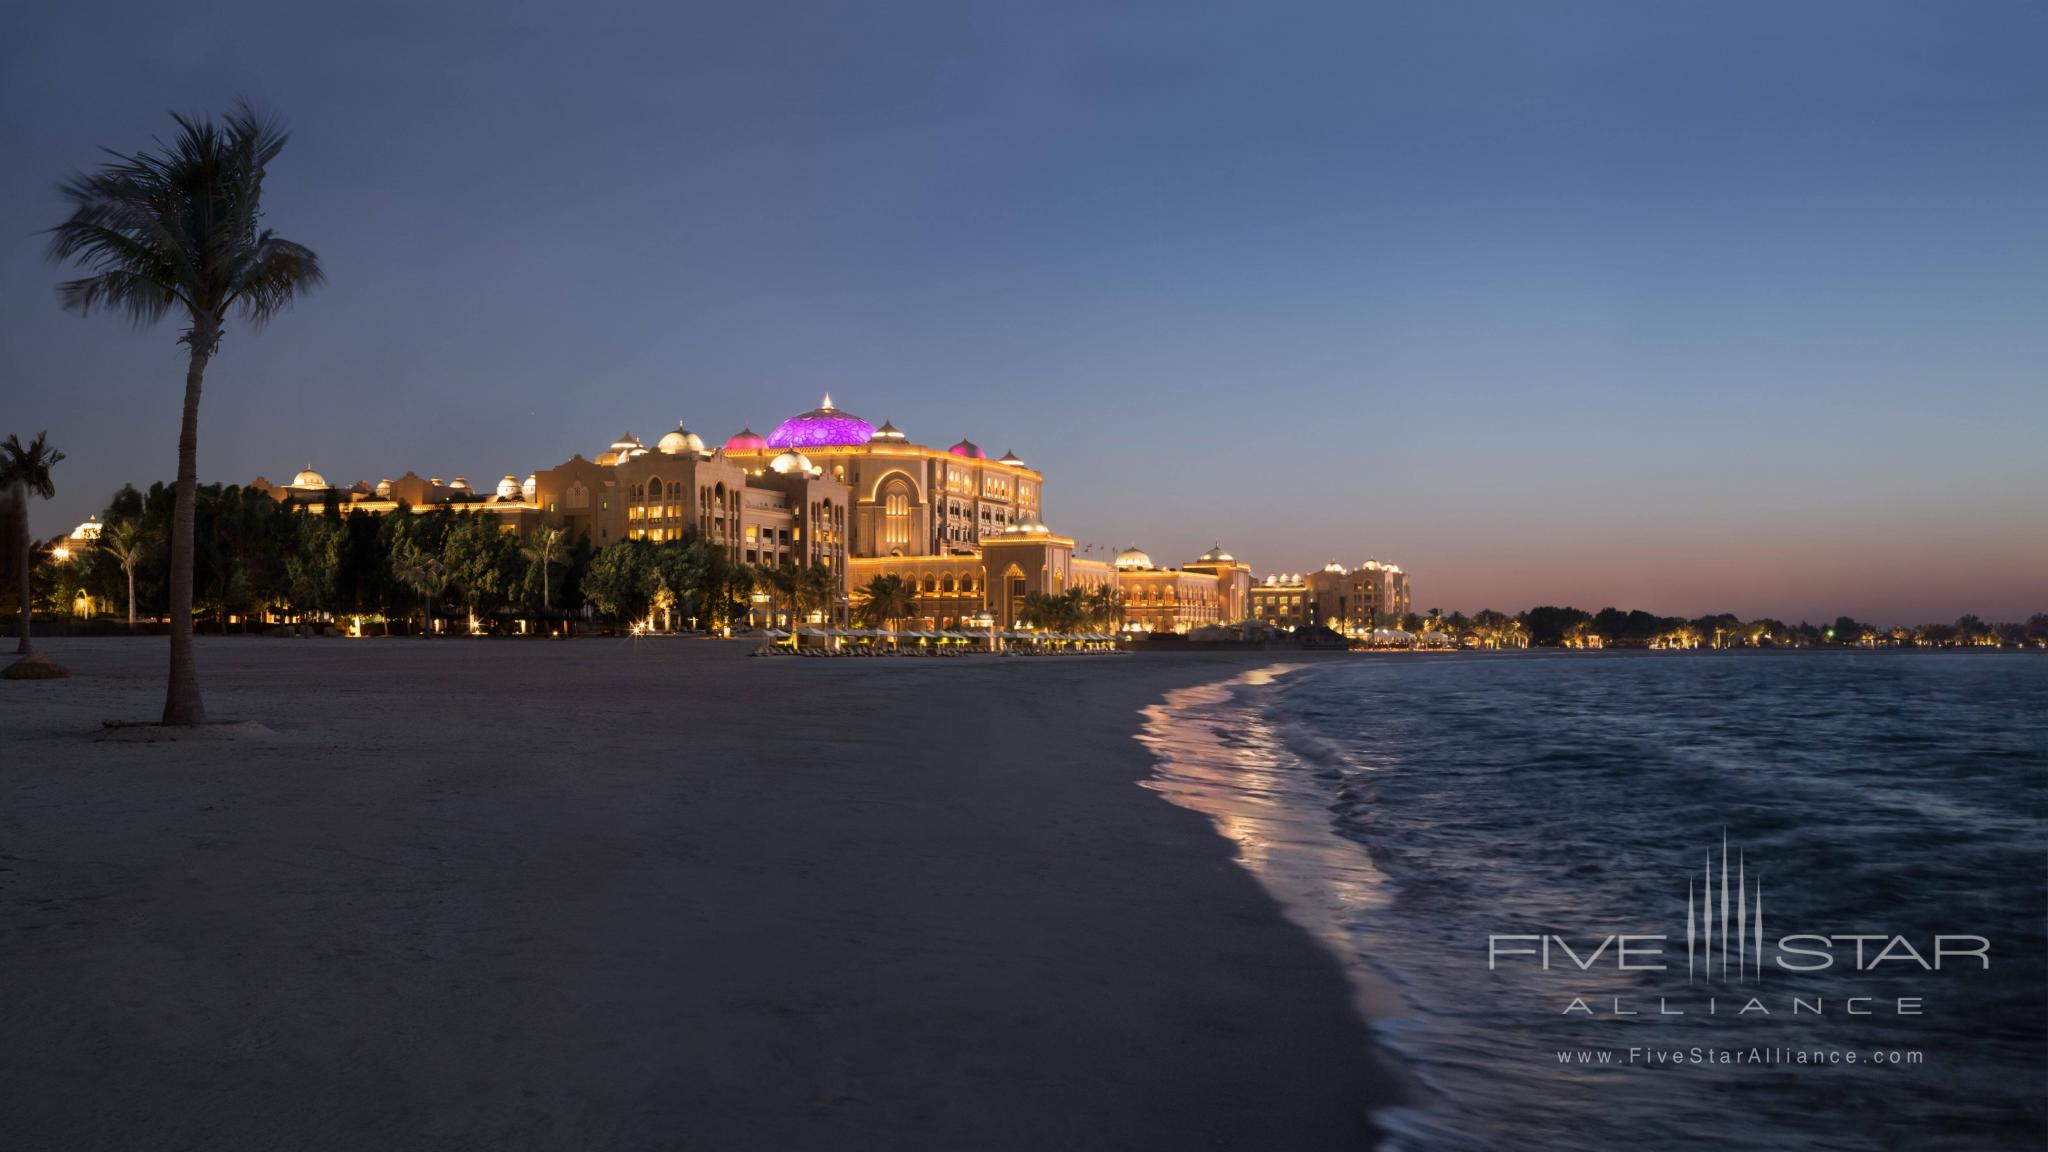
pixel 792 462
pixel 681 442
pixel 822 427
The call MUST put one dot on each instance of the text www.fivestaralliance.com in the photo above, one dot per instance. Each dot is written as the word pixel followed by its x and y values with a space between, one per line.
pixel 1722 1057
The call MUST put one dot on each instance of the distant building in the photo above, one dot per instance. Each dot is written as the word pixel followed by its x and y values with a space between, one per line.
pixel 1281 601
pixel 965 532
pixel 1347 600
pixel 1167 599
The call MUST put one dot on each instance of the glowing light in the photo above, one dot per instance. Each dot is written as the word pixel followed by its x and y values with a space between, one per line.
pixel 822 427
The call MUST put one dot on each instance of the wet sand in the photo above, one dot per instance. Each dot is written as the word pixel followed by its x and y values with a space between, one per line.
pixel 617 894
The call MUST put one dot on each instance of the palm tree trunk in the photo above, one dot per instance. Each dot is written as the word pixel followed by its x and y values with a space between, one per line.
pixel 27 589
pixel 131 596
pixel 181 702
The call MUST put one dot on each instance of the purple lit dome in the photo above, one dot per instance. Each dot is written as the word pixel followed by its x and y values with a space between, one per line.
pixel 745 440
pixel 822 427
pixel 968 448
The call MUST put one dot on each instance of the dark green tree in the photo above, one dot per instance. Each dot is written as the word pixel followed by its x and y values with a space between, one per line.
pixel 25 475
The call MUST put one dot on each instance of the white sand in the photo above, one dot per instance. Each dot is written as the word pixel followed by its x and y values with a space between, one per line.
pixel 608 894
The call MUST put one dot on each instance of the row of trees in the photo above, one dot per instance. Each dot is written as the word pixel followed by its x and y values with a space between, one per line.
pixel 1075 610
pixel 1554 627
pixel 258 559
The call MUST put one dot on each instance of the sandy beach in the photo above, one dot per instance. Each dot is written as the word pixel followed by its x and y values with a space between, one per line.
pixel 653 894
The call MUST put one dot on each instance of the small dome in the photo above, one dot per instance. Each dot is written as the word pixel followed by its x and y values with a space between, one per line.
pixel 309 479
pixel 1216 555
pixel 1334 568
pixel 526 488
pixel 383 488
pixel 626 443
pixel 969 449
pixel 508 488
pixel 891 433
pixel 90 530
pixel 745 440
pixel 1133 557
pixel 822 427
pixel 459 484
pixel 1011 459
pixel 681 441
pixel 790 461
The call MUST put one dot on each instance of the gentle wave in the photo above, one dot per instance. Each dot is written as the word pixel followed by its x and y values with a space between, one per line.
pixel 1401 811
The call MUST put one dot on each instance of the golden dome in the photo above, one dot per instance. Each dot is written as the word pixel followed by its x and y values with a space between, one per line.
pixel 682 440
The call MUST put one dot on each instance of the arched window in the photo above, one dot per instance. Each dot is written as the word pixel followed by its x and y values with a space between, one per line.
pixel 654 489
pixel 896 513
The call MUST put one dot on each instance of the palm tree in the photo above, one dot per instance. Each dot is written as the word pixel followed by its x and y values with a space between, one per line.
pixel 25 472
pixel 1053 611
pixel 544 547
pixel 812 590
pixel 127 541
pixel 780 585
pixel 1105 610
pixel 424 573
pixel 885 600
pixel 181 228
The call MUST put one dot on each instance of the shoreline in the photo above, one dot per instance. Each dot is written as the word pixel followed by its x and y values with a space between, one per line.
pixel 644 896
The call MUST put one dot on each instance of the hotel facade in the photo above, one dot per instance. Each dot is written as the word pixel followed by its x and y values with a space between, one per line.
pixel 1348 600
pixel 965 533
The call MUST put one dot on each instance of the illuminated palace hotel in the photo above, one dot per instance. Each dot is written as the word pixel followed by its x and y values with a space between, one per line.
pixel 964 532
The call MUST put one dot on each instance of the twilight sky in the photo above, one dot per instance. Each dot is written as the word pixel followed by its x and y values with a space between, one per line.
pixel 1691 308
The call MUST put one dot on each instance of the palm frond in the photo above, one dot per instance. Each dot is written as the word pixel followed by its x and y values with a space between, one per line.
pixel 180 225
pixel 27 467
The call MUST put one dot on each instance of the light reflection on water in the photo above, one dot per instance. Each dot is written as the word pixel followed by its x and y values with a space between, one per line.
pixel 1401 810
pixel 1231 765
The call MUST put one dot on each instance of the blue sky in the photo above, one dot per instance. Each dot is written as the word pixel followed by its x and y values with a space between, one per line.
pixel 1687 307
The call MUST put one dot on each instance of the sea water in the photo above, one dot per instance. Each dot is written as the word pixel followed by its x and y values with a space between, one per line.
pixel 1733 873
